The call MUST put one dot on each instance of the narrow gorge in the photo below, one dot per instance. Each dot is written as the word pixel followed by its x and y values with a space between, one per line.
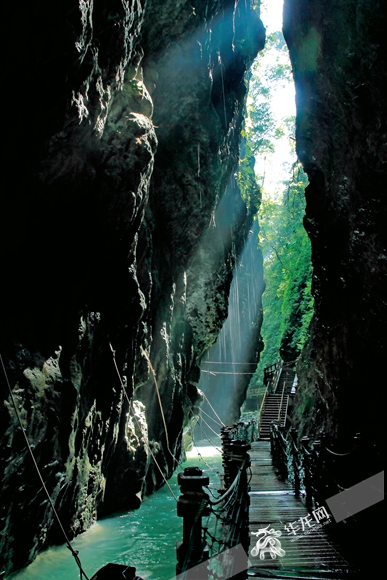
pixel 122 224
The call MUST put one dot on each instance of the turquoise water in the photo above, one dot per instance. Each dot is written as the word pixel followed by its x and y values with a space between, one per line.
pixel 145 539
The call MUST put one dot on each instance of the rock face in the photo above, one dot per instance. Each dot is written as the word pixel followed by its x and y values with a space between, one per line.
pixel 337 51
pixel 123 135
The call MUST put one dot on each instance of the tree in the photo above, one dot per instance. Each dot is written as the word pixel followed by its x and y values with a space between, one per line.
pixel 287 300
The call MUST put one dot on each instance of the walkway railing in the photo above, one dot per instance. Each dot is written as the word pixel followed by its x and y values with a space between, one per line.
pixel 262 408
pixel 213 525
pixel 316 471
pixel 271 375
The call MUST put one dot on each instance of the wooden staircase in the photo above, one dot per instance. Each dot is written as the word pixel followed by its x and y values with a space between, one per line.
pixel 280 379
pixel 272 412
pixel 286 379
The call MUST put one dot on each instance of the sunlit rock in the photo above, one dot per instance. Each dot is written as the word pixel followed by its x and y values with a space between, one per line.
pixel 124 134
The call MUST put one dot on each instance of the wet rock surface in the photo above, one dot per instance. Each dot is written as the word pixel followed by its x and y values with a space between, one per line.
pixel 337 51
pixel 123 136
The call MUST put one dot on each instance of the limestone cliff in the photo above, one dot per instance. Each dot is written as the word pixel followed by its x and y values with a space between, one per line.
pixel 123 135
pixel 338 55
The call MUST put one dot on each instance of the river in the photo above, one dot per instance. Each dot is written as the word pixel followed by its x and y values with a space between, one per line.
pixel 145 539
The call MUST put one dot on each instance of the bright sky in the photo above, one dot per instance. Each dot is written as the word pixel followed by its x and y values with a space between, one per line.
pixel 271 15
pixel 275 168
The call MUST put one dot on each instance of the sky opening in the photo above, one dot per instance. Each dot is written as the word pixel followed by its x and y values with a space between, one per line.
pixel 273 167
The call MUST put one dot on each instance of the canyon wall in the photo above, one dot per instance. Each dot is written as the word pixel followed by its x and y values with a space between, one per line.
pixel 121 137
pixel 338 56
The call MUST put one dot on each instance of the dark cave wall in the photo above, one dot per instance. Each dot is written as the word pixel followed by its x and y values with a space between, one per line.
pixel 338 56
pixel 123 135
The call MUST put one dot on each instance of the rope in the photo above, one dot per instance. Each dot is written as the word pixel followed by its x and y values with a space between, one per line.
pixel 209 426
pixel 212 419
pixel 228 492
pixel 337 454
pixel 138 424
pixel 200 455
pixel 73 552
pixel 197 419
pixel 212 408
pixel 205 434
pixel 230 518
pixel 160 403
pixel 151 452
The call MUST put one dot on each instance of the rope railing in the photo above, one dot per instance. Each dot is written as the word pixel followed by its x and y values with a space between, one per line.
pixel 226 523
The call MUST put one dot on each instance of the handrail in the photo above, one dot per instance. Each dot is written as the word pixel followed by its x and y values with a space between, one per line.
pixel 262 409
pixel 271 372
pixel 277 375
pixel 231 509
pixel 229 490
pixel 282 399
pixel 311 469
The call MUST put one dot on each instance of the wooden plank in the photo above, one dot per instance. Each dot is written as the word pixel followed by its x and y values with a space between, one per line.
pixel 273 504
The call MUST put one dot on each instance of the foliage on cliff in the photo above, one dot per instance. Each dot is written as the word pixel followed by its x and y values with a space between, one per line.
pixel 341 92
pixel 287 301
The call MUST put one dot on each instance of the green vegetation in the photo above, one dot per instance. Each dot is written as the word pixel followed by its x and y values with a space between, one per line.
pixel 270 72
pixel 247 179
pixel 287 300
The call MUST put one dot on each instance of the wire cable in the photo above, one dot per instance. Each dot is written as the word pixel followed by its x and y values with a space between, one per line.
pixel 230 489
pixel 205 434
pixel 138 424
pixel 337 454
pixel 159 399
pixel 209 426
pixel 201 456
pixel 215 362
pixel 73 552
pixel 212 408
pixel 212 419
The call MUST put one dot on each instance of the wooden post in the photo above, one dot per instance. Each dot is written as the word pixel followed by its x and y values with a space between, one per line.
pixel 295 461
pixel 191 506
pixel 237 455
pixel 237 517
pixel 318 471
pixel 307 471
pixel 225 434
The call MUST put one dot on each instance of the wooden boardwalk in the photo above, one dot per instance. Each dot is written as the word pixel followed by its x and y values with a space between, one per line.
pixel 305 549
